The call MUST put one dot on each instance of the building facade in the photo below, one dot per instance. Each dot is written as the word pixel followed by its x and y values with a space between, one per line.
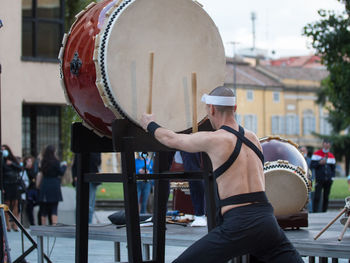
pixel 31 96
pixel 279 101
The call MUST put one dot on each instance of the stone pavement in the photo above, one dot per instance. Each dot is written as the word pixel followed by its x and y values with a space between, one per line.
pixel 62 250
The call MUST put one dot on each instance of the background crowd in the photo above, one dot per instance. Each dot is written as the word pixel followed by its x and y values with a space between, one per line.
pixel 30 182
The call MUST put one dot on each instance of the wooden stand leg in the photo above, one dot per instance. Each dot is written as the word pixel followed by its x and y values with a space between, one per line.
pixel 82 229
pixel 209 193
pixel 131 206
pixel 344 229
pixel 330 223
pixel 159 213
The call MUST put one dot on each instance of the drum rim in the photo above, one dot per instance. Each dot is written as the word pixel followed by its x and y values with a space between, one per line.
pixel 278 138
pixel 285 165
pixel 102 82
pixel 281 139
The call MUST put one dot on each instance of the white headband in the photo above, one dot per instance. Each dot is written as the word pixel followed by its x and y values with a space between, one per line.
pixel 219 100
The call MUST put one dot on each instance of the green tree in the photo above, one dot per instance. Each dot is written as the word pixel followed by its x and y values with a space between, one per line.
pixel 330 37
pixel 73 7
pixel 68 114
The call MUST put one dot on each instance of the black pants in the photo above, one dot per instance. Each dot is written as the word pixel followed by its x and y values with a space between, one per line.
pixel 245 230
pixel 197 196
pixel 326 187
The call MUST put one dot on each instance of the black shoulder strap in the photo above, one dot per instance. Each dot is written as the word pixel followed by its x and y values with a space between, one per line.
pixel 221 169
pixel 245 141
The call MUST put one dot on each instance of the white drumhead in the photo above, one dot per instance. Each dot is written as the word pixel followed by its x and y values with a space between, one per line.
pixel 184 39
pixel 286 191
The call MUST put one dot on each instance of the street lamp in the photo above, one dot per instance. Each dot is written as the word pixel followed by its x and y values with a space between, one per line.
pixel 234 43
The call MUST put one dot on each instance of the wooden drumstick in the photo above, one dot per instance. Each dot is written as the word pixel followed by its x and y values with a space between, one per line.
pixel 345 227
pixel 194 103
pixel 150 91
pixel 330 223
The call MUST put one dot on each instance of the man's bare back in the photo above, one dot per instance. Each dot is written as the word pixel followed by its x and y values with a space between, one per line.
pixel 245 175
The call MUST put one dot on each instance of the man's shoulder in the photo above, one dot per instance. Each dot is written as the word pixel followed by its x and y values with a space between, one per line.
pixel 251 136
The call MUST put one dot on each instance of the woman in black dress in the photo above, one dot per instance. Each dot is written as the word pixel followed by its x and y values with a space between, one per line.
pixel 11 169
pixel 50 188
pixel 31 170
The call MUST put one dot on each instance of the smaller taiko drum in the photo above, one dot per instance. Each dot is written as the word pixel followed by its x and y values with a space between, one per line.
pixel 286 181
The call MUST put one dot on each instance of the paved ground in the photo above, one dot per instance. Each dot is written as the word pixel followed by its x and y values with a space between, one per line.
pixel 61 250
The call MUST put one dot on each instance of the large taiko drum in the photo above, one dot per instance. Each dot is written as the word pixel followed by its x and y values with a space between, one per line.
pixel 105 61
pixel 286 181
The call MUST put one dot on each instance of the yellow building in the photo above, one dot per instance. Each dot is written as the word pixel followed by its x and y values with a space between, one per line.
pixel 275 100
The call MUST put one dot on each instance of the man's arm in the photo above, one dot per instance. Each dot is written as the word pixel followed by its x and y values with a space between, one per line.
pixel 197 142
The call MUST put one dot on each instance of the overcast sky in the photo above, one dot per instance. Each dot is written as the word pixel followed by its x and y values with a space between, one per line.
pixel 278 23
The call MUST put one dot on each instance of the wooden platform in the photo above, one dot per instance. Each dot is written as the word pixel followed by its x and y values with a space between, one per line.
pixel 327 246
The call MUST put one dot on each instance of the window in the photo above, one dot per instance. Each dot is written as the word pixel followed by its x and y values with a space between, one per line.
pixel 277 124
pixel 251 123
pixel 40 127
pixel 42 29
pixel 250 95
pixel 238 118
pixel 292 124
pixel 325 126
pixel 276 96
pixel 309 122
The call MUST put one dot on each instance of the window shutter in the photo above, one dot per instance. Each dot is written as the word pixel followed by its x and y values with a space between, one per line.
pixel 255 124
pixel 296 125
pixel 274 124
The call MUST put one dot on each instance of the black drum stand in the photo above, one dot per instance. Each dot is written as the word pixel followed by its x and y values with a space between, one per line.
pixel 127 139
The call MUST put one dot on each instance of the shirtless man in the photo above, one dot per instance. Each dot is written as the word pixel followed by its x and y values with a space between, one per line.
pixel 246 224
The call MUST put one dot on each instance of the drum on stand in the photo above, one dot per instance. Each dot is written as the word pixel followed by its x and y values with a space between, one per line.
pixel 105 68
pixel 286 182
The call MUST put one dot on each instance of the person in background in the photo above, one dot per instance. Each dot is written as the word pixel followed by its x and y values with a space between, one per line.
pixel 323 162
pixel 192 162
pixel 349 182
pixel 11 170
pixel 50 187
pixel 94 167
pixel 143 161
pixel 304 151
pixel 30 170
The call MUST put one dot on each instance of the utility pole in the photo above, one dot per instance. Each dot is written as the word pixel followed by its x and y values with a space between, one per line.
pixel 234 43
pixel 253 17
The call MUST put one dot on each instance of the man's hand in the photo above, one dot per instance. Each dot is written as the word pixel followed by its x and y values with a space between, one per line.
pixel 323 161
pixel 146 119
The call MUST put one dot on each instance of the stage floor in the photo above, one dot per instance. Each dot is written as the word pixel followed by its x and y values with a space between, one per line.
pixel 327 244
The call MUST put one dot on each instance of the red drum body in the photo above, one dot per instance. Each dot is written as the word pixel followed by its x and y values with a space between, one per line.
pixel 105 68
pixel 286 182
pixel 80 88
